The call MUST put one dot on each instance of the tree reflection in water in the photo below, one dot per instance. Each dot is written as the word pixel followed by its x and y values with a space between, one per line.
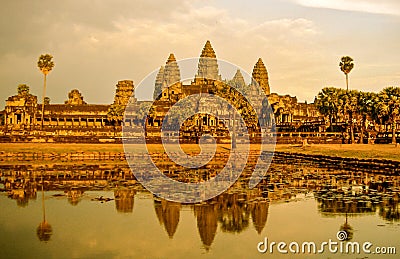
pixel 389 209
pixel 348 229
pixel 44 231
pixel 233 212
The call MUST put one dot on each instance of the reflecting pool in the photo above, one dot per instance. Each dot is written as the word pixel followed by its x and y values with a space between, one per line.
pixel 98 210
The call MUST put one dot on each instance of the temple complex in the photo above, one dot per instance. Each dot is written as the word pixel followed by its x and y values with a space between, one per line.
pixel 78 121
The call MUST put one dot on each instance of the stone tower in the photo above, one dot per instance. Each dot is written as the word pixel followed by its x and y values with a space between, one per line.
pixel 75 98
pixel 260 75
pixel 171 72
pixel 208 65
pixel 238 79
pixel 125 89
pixel 167 76
pixel 159 83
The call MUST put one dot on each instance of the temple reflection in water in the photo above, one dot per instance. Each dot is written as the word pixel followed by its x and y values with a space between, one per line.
pixel 337 193
pixel 168 214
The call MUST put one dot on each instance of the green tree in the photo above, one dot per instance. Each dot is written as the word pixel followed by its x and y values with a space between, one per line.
pixel 47 100
pixel 115 115
pixel 346 65
pixel 389 105
pixel 366 104
pixel 45 65
pixel 327 103
pixel 348 107
pixel 23 89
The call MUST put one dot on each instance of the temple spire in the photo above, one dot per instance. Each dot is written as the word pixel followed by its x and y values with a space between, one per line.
pixel 238 78
pixel 172 73
pixel 260 75
pixel 208 65
pixel 159 83
pixel 171 58
pixel 167 75
pixel 208 51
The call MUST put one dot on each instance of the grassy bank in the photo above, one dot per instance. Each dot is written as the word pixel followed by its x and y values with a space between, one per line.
pixel 390 152
pixel 357 151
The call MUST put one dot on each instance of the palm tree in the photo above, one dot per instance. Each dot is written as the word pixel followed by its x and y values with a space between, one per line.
pixel 349 107
pixel 45 65
pixel 346 65
pixel 115 115
pixel 389 106
pixel 348 229
pixel 327 103
pixel 366 104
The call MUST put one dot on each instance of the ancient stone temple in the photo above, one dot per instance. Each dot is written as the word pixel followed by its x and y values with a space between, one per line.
pixel 77 121
pixel 260 75
pixel 208 65
pixel 75 98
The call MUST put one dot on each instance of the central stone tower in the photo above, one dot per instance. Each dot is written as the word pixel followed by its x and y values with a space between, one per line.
pixel 171 72
pixel 208 65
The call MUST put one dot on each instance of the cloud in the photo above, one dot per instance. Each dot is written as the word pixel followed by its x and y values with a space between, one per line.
pixel 96 43
pixel 94 51
pixel 391 7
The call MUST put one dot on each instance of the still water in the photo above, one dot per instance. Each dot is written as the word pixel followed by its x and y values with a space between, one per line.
pixel 83 210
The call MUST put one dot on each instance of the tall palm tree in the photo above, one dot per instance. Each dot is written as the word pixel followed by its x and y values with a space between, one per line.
pixel 45 65
pixel 349 108
pixel 366 104
pixel 389 106
pixel 346 65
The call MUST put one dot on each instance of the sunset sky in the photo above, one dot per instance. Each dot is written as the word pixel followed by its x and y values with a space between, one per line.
pixel 97 43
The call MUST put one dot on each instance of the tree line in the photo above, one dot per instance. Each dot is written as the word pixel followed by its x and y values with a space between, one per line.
pixel 353 108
